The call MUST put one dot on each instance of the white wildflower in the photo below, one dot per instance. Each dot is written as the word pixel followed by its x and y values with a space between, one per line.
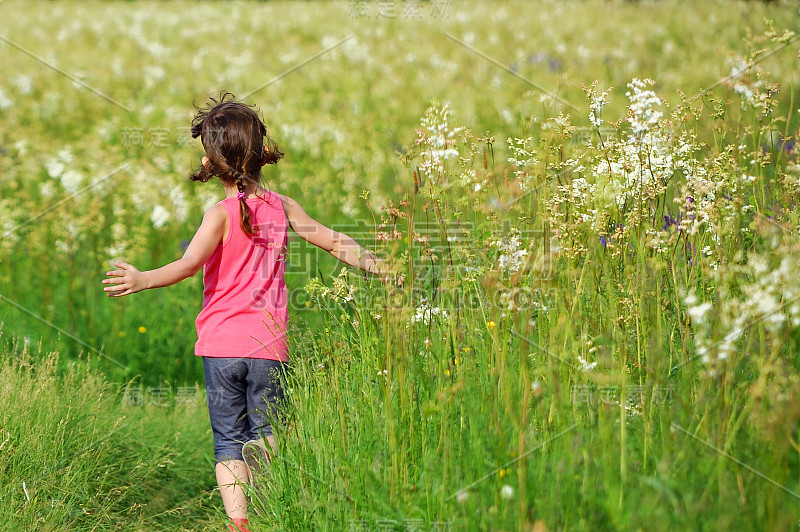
pixel 523 158
pixel 178 197
pixel 745 92
pixel 586 366
pixel 424 313
pixel 54 168
pixel 690 299
pixel 768 307
pixel 71 181
pixel 643 113
pixel 511 253
pixel 47 190
pixel 738 68
pixel 596 107
pixel 698 313
pixel 23 84
pixel 5 101
pixel 741 85
pixel 152 75
pixel 21 146
pixel 65 155
pixel 159 217
pixel 436 136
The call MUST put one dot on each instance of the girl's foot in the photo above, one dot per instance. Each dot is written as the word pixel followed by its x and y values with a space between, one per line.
pixel 256 458
pixel 240 524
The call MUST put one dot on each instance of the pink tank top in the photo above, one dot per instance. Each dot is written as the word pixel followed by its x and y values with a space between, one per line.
pixel 244 291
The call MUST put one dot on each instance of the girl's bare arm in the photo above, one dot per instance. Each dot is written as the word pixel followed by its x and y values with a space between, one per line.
pixel 337 244
pixel 128 280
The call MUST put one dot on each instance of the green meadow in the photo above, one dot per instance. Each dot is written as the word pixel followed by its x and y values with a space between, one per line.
pixel 593 204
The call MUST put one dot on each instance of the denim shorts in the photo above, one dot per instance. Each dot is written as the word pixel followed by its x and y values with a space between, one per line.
pixel 241 393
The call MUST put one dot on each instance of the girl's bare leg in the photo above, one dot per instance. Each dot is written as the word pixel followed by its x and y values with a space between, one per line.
pixel 231 478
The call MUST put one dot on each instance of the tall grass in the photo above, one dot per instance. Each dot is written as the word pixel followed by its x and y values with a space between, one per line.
pixel 610 343
pixel 75 456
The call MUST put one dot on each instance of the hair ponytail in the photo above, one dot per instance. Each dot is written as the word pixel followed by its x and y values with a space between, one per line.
pixel 244 210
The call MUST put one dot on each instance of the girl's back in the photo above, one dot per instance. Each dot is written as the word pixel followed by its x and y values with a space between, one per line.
pixel 244 297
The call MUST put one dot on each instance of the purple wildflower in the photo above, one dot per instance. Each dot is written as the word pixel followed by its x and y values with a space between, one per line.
pixel 668 220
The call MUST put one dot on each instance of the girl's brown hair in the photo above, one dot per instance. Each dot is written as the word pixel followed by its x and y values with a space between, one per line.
pixel 233 136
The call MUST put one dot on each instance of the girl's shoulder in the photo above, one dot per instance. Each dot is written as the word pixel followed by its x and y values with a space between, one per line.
pixel 287 202
pixel 217 210
pixel 273 199
pixel 217 214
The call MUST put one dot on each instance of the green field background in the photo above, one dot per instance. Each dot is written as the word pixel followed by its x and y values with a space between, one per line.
pixel 598 328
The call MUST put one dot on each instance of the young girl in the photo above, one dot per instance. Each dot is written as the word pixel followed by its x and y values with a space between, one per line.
pixel 241 245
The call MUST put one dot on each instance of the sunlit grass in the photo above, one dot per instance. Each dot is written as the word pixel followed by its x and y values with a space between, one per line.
pixel 598 328
pixel 76 455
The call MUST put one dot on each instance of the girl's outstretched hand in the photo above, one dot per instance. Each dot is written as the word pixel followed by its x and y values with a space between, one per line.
pixel 127 280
